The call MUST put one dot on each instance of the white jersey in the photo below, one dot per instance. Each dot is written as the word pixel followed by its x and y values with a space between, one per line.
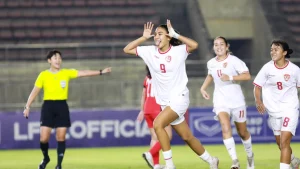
pixel 227 93
pixel 167 69
pixel 279 87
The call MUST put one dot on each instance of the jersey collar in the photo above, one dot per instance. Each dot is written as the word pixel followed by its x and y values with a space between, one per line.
pixel 160 52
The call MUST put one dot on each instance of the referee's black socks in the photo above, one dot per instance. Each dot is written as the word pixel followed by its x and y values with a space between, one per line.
pixel 61 147
pixel 44 147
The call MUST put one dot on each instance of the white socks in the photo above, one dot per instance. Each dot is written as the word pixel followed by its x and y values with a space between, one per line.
pixel 206 157
pixel 284 166
pixel 248 146
pixel 230 146
pixel 168 158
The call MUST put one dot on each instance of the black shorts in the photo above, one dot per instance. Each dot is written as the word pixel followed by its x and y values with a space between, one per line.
pixel 55 113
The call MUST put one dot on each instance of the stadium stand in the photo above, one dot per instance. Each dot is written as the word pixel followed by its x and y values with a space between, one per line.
pixel 284 18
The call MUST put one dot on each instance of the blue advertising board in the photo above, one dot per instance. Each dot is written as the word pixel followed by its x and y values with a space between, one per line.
pixel 209 131
pixel 90 128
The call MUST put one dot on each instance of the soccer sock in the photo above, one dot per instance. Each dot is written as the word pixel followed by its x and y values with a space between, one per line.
pixel 206 157
pixel 292 157
pixel 155 158
pixel 155 148
pixel 248 146
pixel 154 151
pixel 168 158
pixel 44 147
pixel 284 166
pixel 61 147
pixel 230 146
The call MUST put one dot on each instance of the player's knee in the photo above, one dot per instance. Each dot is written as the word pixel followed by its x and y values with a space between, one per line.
pixel 60 137
pixel 44 139
pixel 158 125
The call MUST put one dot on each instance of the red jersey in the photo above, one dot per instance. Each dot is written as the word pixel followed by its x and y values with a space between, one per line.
pixel 150 105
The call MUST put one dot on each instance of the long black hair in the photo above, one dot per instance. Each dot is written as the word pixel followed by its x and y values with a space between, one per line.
pixel 173 41
pixel 285 47
pixel 148 72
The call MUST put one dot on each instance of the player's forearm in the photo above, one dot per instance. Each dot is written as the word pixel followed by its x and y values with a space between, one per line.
pixel 132 45
pixel 191 44
pixel 35 91
pixel 242 77
pixel 257 93
pixel 143 100
pixel 206 82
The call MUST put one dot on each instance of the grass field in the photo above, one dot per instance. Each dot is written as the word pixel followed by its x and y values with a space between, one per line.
pixel 266 157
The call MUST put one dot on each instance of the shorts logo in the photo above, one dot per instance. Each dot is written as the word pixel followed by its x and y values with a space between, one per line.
pixel 207 126
pixel 286 77
pixel 63 83
pixel 225 64
pixel 168 58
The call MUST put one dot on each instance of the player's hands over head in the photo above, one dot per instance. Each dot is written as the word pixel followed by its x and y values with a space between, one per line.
pixel 205 95
pixel 148 30
pixel 140 117
pixel 106 70
pixel 260 106
pixel 224 77
pixel 26 113
pixel 172 33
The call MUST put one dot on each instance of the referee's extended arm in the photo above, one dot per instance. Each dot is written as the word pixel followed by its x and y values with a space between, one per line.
pixel 86 73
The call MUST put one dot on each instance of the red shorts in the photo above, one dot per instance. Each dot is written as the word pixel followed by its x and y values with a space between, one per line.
pixel 150 117
pixel 151 109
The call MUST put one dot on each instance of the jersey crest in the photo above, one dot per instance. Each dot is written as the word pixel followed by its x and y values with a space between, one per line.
pixel 286 77
pixel 168 58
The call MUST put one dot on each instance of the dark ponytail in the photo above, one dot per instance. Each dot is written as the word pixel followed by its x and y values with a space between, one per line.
pixel 285 47
pixel 173 41
pixel 148 72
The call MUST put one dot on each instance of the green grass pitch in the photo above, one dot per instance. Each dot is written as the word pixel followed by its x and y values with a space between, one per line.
pixel 266 157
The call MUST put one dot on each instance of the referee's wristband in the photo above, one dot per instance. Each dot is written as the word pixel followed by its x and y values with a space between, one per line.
pixel 231 78
pixel 100 71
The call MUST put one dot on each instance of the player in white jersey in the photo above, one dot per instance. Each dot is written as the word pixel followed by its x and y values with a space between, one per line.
pixel 278 80
pixel 226 71
pixel 166 62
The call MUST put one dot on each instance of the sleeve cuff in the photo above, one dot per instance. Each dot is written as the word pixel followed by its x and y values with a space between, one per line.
pixel 256 85
pixel 136 52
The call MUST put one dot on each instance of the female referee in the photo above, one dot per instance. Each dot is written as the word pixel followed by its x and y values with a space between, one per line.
pixel 55 110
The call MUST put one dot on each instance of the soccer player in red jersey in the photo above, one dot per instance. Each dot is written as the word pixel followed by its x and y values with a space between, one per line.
pixel 149 110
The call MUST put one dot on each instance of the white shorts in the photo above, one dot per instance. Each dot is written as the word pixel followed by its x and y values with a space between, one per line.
pixel 179 105
pixel 238 114
pixel 288 122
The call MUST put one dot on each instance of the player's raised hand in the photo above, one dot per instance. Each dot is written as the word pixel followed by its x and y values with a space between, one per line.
pixel 140 117
pixel 260 106
pixel 171 30
pixel 205 95
pixel 106 70
pixel 148 30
